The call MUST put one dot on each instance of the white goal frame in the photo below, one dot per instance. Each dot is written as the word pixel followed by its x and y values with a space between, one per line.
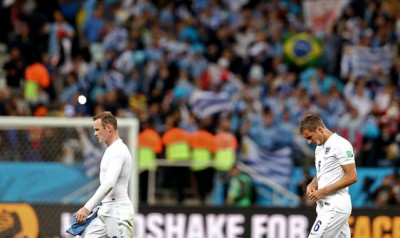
pixel 131 123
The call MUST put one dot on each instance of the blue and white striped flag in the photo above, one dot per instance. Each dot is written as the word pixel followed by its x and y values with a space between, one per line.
pixel 114 80
pixel 359 61
pixel 365 58
pixel 91 154
pixel 117 39
pixel 276 166
pixel 206 103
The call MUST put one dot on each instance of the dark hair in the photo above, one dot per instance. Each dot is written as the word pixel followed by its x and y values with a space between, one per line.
pixel 106 118
pixel 311 122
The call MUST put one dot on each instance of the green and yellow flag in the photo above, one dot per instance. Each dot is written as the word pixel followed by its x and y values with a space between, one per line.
pixel 302 49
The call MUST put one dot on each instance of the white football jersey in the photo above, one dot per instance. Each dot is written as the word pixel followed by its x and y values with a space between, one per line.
pixel 115 172
pixel 329 157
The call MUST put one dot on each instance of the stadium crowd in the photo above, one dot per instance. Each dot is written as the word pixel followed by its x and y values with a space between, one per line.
pixel 145 59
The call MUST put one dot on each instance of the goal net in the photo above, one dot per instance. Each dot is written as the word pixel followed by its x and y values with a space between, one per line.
pixel 51 160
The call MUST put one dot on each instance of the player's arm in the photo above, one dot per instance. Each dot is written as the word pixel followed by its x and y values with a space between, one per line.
pixel 110 179
pixel 350 177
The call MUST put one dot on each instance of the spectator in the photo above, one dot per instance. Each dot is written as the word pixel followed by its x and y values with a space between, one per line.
pixel 264 130
pixel 61 34
pixel 240 189
pixel 350 125
pixel 286 130
pixel 384 194
pixel 95 24
pixel 14 70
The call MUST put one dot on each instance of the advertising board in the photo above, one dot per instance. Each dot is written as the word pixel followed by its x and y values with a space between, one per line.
pixel 48 221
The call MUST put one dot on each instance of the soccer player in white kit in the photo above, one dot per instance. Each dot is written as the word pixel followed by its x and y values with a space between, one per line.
pixel 115 215
pixel 336 170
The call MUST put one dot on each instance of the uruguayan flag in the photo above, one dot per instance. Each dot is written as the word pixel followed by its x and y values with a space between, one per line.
pixel 365 58
pixel 206 103
pixel 117 39
pixel 114 80
pixel 359 61
pixel 91 154
pixel 276 166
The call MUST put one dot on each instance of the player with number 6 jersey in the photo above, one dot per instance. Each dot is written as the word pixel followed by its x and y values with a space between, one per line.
pixel 336 170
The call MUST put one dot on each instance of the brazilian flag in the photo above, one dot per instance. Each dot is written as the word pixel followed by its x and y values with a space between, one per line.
pixel 302 49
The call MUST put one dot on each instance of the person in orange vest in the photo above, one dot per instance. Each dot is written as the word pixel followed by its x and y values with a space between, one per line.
pixel 225 151
pixel 176 141
pixel 150 144
pixel 202 145
pixel 226 145
pixel 177 148
pixel 37 80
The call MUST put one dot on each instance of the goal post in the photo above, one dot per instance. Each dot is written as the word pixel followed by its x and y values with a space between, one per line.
pixel 128 129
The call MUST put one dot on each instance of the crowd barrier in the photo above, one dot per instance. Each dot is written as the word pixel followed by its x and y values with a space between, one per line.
pixel 45 221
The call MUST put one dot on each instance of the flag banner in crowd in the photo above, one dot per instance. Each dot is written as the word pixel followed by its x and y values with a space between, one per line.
pixel 206 103
pixel 320 15
pixel 364 59
pixel 91 154
pixel 215 76
pixel 117 39
pixel 302 49
pixel 274 165
pixel 114 80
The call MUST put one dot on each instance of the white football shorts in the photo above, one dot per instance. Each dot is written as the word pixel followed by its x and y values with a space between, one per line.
pixel 330 223
pixel 113 220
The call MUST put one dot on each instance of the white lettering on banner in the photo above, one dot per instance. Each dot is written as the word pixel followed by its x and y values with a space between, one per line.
pixel 195 226
pixel 275 226
pixel 258 230
pixel 215 225
pixel 234 225
pixel 140 227
pixel 174 224
pixel 154 222
pixel 298 226
pixel 157 225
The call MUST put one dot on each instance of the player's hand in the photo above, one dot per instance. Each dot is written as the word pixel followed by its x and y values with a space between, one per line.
pixel 315 195
pixel 309 190
pixel 82 214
